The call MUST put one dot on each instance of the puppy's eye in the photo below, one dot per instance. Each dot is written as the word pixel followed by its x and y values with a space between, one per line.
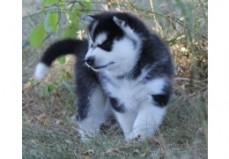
pixel 106 45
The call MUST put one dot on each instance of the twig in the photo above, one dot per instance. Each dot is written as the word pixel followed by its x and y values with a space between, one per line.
pixel 182 79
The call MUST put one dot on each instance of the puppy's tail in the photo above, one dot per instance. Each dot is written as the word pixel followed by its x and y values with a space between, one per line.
pixel 60 48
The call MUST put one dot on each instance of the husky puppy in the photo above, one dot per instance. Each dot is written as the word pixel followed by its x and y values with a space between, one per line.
pixel 122 69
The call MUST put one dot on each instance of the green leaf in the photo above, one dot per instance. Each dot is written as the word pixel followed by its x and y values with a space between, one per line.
pixel 74 16
pixel 62 60
pixel 49 2
pixel 70 31
pixel 51 22
pixel 37 35
pixel 48 89
pixel 87 4
pixel 62 5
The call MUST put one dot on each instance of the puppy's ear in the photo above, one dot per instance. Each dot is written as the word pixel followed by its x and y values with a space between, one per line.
pixel 122 24
pixel 88 19
pixel 119 22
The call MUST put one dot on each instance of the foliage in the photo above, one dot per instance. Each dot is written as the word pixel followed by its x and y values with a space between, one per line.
pixel 182 24
pixel 59 16
pixel 37 35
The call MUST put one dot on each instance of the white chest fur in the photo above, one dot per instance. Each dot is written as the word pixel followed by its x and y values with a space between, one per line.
pixel 132 92
pixel 128 92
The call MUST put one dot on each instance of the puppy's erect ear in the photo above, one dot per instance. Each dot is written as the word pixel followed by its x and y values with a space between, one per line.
pixel 88 19
pixel 121 23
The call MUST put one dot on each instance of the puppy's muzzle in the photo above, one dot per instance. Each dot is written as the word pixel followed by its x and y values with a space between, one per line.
pixel 90 61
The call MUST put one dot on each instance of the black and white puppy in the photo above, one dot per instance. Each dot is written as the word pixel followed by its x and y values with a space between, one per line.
pixel 122 69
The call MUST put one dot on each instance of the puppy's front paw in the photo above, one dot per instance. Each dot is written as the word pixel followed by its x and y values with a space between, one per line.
pixel 139 135
pixel 86 137
pixel 132 136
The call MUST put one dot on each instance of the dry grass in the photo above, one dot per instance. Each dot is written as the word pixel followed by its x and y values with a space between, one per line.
pixel 48 131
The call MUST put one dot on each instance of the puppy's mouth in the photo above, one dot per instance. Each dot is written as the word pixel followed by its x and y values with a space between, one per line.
pixel 101 67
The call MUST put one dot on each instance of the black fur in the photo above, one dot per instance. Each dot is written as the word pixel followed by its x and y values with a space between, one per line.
pixel 161 100
pixel 85 80
pixel 60 48
pixel 116 105
pixel 155 54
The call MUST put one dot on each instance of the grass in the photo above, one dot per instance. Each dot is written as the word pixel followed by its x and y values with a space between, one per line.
pixel 48 131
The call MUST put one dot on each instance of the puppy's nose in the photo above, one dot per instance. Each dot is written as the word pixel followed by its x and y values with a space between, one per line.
pixel 90 61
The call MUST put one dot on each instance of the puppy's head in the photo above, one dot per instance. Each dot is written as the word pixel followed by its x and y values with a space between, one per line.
pixel 113 43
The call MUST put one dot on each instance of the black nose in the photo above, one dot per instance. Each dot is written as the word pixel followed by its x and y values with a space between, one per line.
pixel 90 61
